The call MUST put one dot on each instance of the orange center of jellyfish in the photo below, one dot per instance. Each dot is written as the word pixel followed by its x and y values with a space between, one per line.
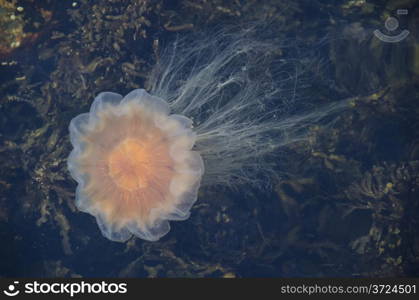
pixel 129 163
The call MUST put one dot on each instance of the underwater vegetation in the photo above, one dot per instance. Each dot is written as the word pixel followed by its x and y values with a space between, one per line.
pixel 12 28
pixel 340 202
pixel 219 106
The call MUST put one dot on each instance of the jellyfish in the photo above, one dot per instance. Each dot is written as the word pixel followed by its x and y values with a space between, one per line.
pixel 134 165
pixel 216 108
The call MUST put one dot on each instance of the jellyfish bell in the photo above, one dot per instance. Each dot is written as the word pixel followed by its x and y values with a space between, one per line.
pixel 134 165
pixel 224 100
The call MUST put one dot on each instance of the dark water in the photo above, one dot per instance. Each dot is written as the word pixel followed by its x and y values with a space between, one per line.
pixel 345 203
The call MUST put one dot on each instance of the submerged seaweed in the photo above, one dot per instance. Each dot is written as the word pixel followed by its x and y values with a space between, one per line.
pixel 343 204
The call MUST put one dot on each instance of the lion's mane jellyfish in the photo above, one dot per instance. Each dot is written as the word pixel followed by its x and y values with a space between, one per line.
pixel 134 165
pixel 227 101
